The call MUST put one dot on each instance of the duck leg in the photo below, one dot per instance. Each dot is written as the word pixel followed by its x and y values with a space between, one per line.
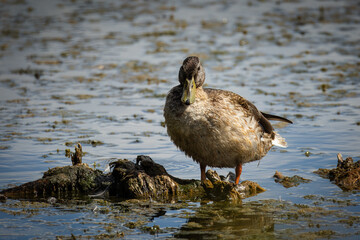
pixel 202 170
pixel 238 171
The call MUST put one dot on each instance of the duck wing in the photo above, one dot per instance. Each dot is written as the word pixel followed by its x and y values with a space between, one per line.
pixel 261 117
pixel 263 120
pixel 252 110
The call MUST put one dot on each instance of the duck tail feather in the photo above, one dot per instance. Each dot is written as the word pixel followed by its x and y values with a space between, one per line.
pixel 276 118
pixel 279 141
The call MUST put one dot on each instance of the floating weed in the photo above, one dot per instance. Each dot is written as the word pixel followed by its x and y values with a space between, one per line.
pixel 57 97
pixel 9 32
pixel 157 95
pixel 44 139
pixel 154 34
pixel 106 66
pixel 84 96
pixel 70 53
pixel 152 230
pixel 305 104
pixel 18 101
pixel 47 62
pixel 63 121
pixel 350 220
pixel 133 225
pixel 178 23
pixel 28 71
pixel 146 90
pixel 323 87
pixel 9 83
pixel 160 46
pixel 221 68
pixel 99 75
pixel 68 152
pixel 325 200
pixel 213 24
pixel 87 79
pixel 141 78
pixel 265 64
pixel 262 92
pixel 93 143
pixel 138 66
pixel 340 93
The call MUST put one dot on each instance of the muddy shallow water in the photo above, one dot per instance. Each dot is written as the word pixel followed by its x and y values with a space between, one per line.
pixel 98 72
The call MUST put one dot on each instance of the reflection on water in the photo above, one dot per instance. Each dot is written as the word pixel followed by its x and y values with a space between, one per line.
pixel 221 220
pixel 98 72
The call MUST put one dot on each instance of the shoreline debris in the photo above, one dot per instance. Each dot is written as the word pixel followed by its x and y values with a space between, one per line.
pixel 143 179
pixel 289 182
pixel 346 175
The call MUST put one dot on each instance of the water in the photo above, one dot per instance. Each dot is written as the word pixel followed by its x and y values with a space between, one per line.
pixel 98 72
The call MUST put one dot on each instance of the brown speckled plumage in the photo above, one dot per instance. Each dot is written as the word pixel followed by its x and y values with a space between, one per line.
pixel 221 128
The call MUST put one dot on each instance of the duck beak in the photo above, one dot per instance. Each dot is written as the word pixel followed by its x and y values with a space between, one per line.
pixel 189 90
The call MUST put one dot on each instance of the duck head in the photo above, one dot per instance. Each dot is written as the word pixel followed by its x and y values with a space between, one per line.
pixel 191 77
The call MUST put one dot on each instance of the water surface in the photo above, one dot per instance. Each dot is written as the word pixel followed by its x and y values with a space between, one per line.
pixel 98 72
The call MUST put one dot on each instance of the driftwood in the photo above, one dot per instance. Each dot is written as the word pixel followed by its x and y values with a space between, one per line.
pixel 142 179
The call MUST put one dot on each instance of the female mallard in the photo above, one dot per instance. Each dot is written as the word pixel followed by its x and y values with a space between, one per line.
pixel 216 128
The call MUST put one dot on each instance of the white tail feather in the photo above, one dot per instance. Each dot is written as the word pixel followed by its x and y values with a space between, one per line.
pixel 279 141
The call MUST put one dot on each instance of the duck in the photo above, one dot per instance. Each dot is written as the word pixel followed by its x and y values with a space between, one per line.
pixel 216 128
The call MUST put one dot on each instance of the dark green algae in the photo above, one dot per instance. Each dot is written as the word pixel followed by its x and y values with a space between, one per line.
pixel 210 211
pixel 264 219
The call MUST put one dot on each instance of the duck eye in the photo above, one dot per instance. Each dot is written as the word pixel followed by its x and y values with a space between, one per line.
pixel 198 68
